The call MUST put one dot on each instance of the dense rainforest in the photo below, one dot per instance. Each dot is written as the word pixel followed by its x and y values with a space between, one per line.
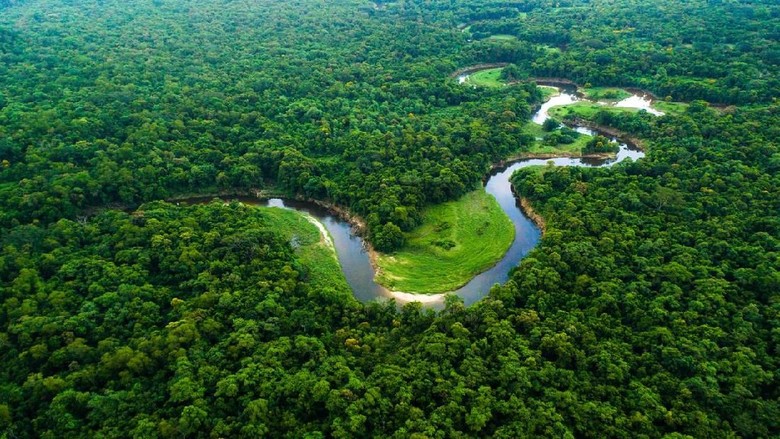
pixel 650 308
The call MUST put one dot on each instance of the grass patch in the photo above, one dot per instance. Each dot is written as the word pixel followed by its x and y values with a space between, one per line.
pixel 540 147
pixel 549 49
pixel 504 37
pixel 487 78
pixel 609 94
pixel 534 129
pixel 548 92
pixel 457 240
pixel 588 110
pixel 670 107
pixel 585 110
pixel 315 254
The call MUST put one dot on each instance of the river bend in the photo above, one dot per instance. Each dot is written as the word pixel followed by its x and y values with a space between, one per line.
pixel 354 258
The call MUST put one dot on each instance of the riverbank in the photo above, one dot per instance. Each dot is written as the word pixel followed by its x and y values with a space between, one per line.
pixel 313 246
pixel 503 164
pixel 358 226
pixel 477 67
pixel 529 211
pixel 611 132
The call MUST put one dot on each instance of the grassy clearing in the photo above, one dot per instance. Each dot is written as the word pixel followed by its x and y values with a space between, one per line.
pixel 588 110
pixel 573 149
pixel 534 129
pixel 585 110
pixel 549 49
pixel 670 107
pixel 609 94
pixel 457 240
pixel 548 92
pixel 504 37
pixel 314 252
pixel 487 78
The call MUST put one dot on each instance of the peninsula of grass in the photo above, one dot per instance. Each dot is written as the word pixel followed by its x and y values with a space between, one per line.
pixel 670 107
pixel 457 240
pixel 585 110
pixel 609 94
pixel 487 78
pixel 315 252
pixel 548 92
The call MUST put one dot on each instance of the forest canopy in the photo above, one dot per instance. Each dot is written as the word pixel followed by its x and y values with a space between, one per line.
pixel 650 308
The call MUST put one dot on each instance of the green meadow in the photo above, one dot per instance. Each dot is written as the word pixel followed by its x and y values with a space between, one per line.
pixel 314 250
pixel 456 241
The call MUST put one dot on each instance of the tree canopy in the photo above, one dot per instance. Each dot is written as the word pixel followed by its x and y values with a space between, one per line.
pixel 649 308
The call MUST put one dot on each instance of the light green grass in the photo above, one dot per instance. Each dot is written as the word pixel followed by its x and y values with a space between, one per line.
pixel 670 107
pixel 487 78
pixel 534 129
pixel 573 149
pixel 585 110
pixel 476 228
pixel 609 94
pixel 503 37
pixel 549 49
pixel 548 92
pixel 319 258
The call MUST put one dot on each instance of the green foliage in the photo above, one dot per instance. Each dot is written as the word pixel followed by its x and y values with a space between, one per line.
pixel 389 238
pixel 512 73
pixel 716 51
pixel 124 309
pixel 649 309
pixel 667 248
pixel 587 110
pixel 488 78
pixel 600 144
pixel 550 124
pixel 605 93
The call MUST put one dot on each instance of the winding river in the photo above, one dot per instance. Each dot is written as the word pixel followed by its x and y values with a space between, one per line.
pixel 355 261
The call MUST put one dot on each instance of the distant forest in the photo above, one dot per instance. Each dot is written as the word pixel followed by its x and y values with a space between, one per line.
pixel 650 308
